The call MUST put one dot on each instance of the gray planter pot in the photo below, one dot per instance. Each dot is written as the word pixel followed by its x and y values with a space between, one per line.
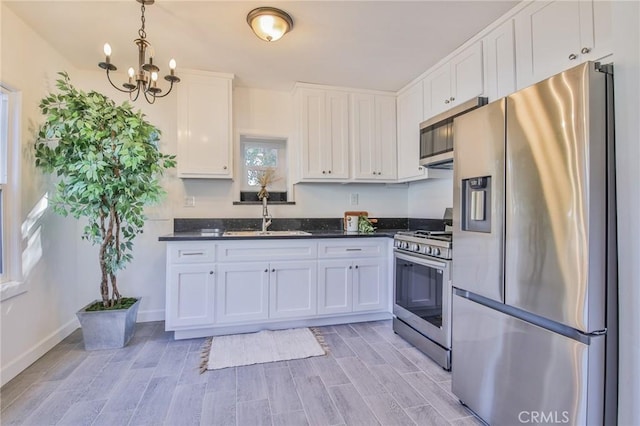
pixel 108 329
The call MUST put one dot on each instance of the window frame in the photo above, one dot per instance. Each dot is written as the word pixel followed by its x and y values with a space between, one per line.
pixel 11 279
pixel 281 169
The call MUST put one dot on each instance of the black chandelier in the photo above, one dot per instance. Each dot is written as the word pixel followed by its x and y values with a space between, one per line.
pixel 145 80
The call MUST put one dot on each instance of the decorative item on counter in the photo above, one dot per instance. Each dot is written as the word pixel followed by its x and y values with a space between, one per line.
pixel 365 225
pixel 352 224
pixel 267 177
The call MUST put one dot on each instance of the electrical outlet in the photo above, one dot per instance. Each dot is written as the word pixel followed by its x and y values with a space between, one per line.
pixel 353 199
pixel 190 201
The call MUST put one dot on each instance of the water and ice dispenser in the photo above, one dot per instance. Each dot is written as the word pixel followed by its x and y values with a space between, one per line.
pixel 476 204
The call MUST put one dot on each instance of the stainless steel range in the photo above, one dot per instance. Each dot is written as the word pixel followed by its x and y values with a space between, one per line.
pixel 422 292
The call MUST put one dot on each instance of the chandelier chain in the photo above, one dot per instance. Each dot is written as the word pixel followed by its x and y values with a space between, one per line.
pixel 141 31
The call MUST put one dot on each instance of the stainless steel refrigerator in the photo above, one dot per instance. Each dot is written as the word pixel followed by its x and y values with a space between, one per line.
pixel 534 268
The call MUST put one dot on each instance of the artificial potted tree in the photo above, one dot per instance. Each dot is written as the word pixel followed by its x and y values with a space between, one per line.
pixel 108 166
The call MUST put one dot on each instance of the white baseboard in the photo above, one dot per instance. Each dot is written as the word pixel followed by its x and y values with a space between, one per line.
pixel 148 316
pixel 15 367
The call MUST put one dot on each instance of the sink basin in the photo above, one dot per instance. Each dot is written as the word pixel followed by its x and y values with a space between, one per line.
pixel 263 234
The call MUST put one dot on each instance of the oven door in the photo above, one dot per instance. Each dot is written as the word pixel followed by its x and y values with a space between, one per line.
pixel 422 292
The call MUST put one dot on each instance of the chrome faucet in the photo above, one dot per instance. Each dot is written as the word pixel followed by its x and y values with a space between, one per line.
pixel 266 217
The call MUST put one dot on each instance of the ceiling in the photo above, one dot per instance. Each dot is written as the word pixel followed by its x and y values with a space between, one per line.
pixel 379 45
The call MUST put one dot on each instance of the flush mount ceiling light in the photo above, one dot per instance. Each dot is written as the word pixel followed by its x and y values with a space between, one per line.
pixel 145 78
pixel 269 23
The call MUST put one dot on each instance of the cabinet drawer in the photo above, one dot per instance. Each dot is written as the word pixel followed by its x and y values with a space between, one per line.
pixel 351 248
pixel 191 252
pixel 252 250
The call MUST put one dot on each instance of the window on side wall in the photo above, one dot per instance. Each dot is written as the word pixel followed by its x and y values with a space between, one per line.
pixel 10 253
pixel 258 156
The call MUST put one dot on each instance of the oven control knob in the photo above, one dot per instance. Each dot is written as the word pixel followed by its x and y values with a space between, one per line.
pixel 435 251
pixel 427 250
pixel 414 247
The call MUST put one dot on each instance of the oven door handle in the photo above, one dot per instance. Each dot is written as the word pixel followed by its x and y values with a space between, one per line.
pixel 420 260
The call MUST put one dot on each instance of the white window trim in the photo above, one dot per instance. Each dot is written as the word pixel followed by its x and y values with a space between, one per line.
pixel 11 281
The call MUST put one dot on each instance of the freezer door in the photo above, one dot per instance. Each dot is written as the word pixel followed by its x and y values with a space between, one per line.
pixel 511 372
pixel 555 252
pixel 478 202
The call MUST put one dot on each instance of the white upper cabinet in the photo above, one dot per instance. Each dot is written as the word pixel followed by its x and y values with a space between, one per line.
pixel 554 36
pixel 204 125
pixel 410 116
pixel 499 48
pixel 323 129
pixel 454 82
pixel 373 136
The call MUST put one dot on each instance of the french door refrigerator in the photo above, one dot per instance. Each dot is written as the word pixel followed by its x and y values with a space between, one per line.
pixel 534 270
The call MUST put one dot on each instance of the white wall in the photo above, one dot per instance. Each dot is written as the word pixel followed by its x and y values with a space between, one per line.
pixel 626 42
pixel 429 198
pixel 33 322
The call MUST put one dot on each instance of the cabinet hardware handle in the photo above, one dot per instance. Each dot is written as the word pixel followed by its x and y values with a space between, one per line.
pixel 420 168
pixel 573 56
pixel 224 168
pixel 350 266
pixel 356 266
pixel 193 253
pixel 324 173
pixel 266 270
pixel 329 171
pixel 210 272
pixel 354 249
pixel 273 270
pixel 585 50
pixel 446 101
pixel 452 99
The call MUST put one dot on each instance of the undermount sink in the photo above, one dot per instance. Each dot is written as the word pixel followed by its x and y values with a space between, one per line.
pixel 263 233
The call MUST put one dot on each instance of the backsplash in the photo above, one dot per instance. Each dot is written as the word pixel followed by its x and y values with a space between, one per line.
pixel 283 224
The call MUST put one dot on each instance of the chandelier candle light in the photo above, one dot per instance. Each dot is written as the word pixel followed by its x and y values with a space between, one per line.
pixel 145 80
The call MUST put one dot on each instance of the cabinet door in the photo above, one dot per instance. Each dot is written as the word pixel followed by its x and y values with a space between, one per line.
pixel 385 137
pixel 190 295
pixel 410 116
pixel 466 74
pixel 437 91
pixel 501 61
pixel 363 137
pixel 369 284
pixel 335 286
pixel 337 143
pixel 324 134
pixel 242 292
pixel 312 131
pixel 293 289
pixel 548 40
pixel 204 126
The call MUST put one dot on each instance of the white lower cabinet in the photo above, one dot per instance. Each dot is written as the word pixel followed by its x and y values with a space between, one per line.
pixel 335 286
pixel 190 287
pixel 242 292
pixel 292 289
pixel 369 291
pixel 352 276
pixel 251 291
pixel 191 293
pixel 237 286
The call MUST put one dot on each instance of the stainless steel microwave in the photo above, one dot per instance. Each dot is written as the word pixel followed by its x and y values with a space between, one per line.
pixel 436 135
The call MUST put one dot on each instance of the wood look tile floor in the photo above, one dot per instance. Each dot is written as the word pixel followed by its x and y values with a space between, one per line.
pixel 370 376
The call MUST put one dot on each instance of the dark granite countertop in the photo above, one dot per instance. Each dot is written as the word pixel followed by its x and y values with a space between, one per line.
pixel 190 229
pixel 323 233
